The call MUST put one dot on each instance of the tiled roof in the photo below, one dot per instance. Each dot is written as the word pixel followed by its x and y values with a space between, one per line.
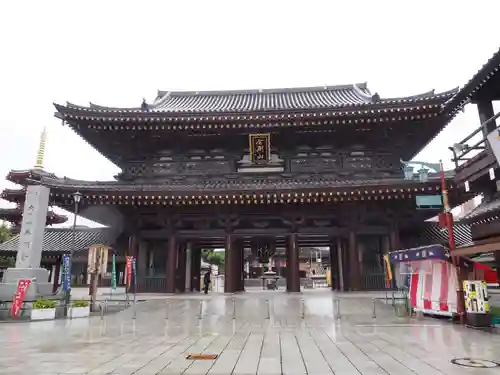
pixel 13 195
pixel 236 101
pixel 61 239
pixel 280 182
pixel 489 209
pixel 489 70
pixel 261 100
pixel 13 214
pixel 433 233
pixel 19 176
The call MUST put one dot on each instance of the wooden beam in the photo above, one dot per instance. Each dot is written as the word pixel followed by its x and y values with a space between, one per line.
pixel 477 249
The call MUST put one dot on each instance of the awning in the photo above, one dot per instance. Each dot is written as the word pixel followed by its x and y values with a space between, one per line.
pixel 437 252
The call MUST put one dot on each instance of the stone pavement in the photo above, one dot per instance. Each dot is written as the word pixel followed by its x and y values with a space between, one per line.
pixel 259 333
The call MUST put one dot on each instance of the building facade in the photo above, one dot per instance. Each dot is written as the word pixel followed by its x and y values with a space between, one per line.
pixel 260 173
pixel 477 169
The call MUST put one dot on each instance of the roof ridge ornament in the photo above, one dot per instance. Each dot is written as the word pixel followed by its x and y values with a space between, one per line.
pixel 144 104
pixel 363 91
pixel 41 150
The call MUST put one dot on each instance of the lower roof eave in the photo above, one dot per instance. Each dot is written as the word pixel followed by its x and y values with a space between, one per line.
pixel 279 187
pixel 479 248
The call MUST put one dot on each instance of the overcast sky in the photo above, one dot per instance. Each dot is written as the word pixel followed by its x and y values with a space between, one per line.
pixel 117 52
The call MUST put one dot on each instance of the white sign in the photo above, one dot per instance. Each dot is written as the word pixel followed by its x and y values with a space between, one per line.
pixel 494 141
pixel 36 203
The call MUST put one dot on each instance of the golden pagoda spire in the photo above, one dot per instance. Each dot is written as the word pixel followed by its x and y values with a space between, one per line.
pixel 41 150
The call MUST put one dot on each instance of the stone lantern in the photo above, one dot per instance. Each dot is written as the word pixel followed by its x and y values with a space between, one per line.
pixel 423 174
pixel 408 171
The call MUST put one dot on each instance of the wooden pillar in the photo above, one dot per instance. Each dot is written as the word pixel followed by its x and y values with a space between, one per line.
pixel 242 266
pixel 180 273
pixel 394 242
pixel 354 271
pixel 237 261
pixel 238 248
pixel 485 109
pixel 57 272
pixel 497 261
pixel 195 268
pixel 231 267
pixel 293 281
pixel 340 258
pixel 171 265
pixel 188 268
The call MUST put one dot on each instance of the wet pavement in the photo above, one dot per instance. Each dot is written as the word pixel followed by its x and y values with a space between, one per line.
pixel 259 333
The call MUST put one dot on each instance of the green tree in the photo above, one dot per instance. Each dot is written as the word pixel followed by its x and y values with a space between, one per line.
pixel 5 233
pixel 211 257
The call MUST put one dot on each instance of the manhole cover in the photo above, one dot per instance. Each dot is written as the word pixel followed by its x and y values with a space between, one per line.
pixel 477 363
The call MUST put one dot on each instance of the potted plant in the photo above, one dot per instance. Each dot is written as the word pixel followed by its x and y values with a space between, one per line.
pixel 43 309
pixel 79 309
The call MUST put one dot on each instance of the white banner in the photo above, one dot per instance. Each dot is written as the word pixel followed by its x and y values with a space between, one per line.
pixel 494 141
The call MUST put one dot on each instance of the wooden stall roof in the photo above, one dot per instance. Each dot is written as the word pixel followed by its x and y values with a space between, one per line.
pixel 60 240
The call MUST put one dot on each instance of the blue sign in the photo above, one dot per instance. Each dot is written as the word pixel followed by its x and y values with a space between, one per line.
pixel 429 201
pixel 66 276
pixel 134 273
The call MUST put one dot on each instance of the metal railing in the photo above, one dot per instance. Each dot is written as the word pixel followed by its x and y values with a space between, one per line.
pixel 103 307
pixel 461 149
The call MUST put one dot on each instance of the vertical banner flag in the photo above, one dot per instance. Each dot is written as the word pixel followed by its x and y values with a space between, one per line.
pixel 66 273
pixel 260 148
pixel 113 272
pixel 388 271
pixel 22 287
pixel 134 272
pixel 129 271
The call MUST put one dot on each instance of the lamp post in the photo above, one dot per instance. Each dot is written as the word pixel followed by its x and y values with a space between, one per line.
pixel 77 197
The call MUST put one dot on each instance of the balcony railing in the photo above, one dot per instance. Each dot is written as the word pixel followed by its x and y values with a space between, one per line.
pixel 464 153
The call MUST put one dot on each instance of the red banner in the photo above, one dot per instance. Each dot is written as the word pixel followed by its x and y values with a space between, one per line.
pixel 17 303
pixel 129 270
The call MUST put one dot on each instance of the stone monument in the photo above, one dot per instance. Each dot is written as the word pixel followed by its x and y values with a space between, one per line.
pixel 29 254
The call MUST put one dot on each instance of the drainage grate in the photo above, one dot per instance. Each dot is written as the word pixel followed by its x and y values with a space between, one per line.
pixel 477 363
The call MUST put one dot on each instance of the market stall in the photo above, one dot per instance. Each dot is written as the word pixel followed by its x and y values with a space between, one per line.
pixel 431 278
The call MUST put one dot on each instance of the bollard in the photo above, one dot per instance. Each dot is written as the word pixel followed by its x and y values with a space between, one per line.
pixel 386 297
pixel 134 310
pixel 338 309
pixel 374 313
pixel 105 305
pixel 393 299
pixel 234 308
pixel 268 307
pixel 302 309
pixel 167 310
pixel 102 311
pixel 200 315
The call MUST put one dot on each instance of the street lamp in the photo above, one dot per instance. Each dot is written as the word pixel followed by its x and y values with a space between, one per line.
pixel 77 197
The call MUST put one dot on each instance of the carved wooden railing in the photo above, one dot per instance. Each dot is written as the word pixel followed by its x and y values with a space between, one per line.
pixel 462 151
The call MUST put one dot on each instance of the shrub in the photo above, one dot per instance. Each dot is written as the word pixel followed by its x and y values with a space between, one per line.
pixel 495 310
pixel 42 303
pixel 80 303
